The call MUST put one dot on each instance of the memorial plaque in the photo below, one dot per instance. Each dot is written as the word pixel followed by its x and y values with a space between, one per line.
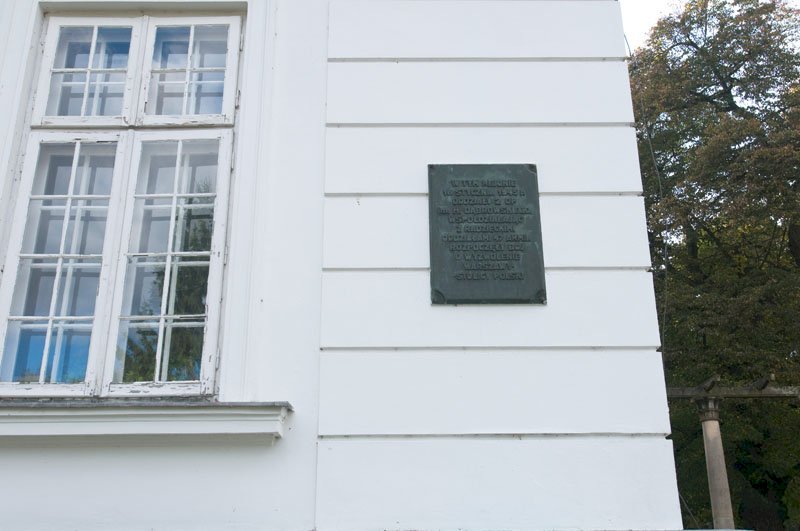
pixel 485 234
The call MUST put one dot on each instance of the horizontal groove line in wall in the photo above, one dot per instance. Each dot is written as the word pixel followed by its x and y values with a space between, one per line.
pixel 578 348
pixel 496 436
pixel 477 59
pixel 631 193
pixel 376 194
pixel 643 268
pixel 477 124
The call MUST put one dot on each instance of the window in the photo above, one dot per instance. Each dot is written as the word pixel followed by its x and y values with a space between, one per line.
pixel 113 277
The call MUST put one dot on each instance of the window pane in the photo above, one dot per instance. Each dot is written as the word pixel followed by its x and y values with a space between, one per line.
pixel 54 168
pixel 144 283
pixel 200 173
pixel 106 92
pixel 112 47
pixel 68 353
pixel 23 351
pixel 210 46
pixel 166 93
pixel 74 44
pixel 44 227
pixel 194 227
pixel 35 281
pixel 151 226
pixel 95 169
pixel 77 291
pixel 136 352
pixel 157 168
pixel 171 47
pixel 205 92
pixel 66 94
pixel 188 288
pixel 86 227
pixel 182 351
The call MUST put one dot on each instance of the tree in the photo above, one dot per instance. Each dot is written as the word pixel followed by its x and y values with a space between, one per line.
pixel 717 97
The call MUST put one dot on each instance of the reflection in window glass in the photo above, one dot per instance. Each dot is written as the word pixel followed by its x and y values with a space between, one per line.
pixel 164 302
pixel 188 70
pixel 89 71
pixel 52 309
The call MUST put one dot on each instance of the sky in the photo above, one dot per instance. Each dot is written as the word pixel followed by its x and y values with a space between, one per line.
pixel 639 16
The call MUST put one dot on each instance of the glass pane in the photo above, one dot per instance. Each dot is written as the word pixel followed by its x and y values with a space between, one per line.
pixel 44 226
pixel 199 173
pixel 86 228
pixel 68 353
pixel 150 229
pixel 144 282
pixel 95 169
pixel 53 170
pixel 66 94
pixel 210 46
pixel 205 92
pixel 171 47
pixel 188 288
pixel 34 292
pixel 74 44
pixel 182 351
pixel 112 47
pixel 194 227
pixel 166 93
pixel 106 91
pixel 136 352
pixel 23 349
pixel 77 290
pixel 157 169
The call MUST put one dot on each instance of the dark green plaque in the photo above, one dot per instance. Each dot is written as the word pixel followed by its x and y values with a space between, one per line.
pixel 486 234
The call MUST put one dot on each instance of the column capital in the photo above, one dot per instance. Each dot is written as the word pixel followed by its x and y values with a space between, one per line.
pixel 708 407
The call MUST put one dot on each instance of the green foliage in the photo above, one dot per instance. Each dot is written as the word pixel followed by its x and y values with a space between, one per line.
pixel 717 95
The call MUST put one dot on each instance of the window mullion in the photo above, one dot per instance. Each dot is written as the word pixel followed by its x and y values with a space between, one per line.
pixel 138 70
pixel 89 71
pixel 96 98
pixel 114 255
pixel 59 264
pixel 168 261
pixel 188 75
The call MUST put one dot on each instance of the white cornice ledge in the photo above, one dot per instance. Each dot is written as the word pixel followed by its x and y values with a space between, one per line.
pixel 65 418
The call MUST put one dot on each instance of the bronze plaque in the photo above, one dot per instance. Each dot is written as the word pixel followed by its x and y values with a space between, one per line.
pixel 485 234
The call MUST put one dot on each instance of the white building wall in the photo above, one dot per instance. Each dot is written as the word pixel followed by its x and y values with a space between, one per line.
pixel 487 417
pixel 406 416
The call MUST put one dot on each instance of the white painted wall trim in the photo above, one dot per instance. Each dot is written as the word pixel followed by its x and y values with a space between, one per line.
pixel 152 418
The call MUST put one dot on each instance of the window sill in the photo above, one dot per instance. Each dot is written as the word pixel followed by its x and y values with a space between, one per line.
pixel 141 417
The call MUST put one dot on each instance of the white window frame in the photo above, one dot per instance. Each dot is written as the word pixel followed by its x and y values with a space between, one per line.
pixel 132 78
pixel 108 306
pixel 228 97
pixel 137 80
pixel 214 284
pixel 129 130
pixel 110 242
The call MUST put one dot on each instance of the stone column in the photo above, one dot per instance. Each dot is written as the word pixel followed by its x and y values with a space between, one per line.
pixel 721 507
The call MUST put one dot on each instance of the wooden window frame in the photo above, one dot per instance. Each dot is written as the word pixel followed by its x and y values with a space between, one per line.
pixel 138 74
pixel 130 129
